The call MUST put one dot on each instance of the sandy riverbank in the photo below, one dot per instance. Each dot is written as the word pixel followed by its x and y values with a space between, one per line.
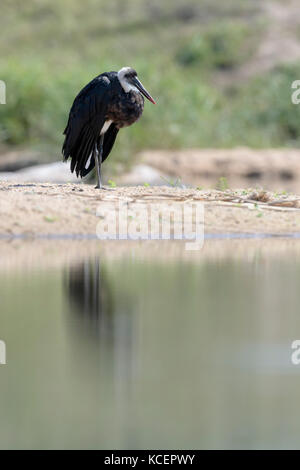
pixel 50 209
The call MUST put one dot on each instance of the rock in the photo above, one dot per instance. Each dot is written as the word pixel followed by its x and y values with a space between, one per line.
pixel 141 174
pixel 57 172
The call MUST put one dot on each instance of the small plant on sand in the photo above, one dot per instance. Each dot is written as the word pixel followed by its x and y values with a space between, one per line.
pixel 111 183
pixel 222 184
pixel 174 183
pixel 49 219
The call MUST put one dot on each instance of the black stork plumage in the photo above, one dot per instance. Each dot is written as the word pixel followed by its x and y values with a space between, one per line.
pixel 109 102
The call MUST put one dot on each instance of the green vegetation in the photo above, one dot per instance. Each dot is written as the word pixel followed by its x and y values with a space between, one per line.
pixel 49 219
pixel 112 184
pixel 221 46
pixel 222 184
pixel 49 50
pixel 174 183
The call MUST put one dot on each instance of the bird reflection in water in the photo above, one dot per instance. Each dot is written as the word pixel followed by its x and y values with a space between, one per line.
pixel 91 297
pixel 103 314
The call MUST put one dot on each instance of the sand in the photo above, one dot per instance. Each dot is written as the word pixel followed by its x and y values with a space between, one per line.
pixel 35 210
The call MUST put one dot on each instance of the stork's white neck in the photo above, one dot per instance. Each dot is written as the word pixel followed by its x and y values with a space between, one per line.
pixel 127 87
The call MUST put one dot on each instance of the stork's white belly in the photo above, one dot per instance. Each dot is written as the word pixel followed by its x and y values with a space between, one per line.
pixel 105 127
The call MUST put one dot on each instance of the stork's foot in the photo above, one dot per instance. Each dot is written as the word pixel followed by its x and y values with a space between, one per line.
pixel 103 188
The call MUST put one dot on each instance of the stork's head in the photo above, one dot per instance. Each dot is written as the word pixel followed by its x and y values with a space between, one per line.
pixel 129 81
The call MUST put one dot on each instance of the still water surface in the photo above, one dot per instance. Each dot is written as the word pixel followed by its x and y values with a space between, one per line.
pixel 151 352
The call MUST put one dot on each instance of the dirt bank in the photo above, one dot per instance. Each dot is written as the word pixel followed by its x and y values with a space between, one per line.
pixel 275 169
pixel 48 209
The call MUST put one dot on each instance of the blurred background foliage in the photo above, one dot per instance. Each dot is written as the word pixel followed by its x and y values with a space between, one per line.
pixel 187 53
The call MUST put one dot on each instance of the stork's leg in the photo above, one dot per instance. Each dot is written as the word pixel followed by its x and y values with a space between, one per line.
pixel 98 152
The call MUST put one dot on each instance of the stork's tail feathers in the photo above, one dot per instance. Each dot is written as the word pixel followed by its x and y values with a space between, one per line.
pixel 81 149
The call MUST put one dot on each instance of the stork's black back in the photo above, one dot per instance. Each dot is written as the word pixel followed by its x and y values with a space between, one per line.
pixel 87 117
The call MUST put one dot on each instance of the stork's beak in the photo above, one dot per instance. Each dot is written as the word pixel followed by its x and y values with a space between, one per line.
pixel 140 87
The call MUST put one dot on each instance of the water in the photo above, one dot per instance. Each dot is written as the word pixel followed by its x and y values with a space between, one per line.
pixel 147 346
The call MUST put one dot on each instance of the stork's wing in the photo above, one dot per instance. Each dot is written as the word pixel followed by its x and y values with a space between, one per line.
pixel 86 119
pixel 109 140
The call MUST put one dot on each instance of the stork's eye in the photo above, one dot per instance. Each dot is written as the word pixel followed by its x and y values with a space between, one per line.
pixel 132 74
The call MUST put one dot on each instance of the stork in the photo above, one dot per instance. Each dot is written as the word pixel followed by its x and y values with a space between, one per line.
pixel 109 102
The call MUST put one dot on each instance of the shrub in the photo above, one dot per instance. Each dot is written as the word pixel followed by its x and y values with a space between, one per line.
pixel 220 46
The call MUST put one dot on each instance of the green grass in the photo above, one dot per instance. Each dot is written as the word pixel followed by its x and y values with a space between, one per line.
pixel 112 183
pixel 224 45
pixel 222 184
pixel 54 48
pixel 262 113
